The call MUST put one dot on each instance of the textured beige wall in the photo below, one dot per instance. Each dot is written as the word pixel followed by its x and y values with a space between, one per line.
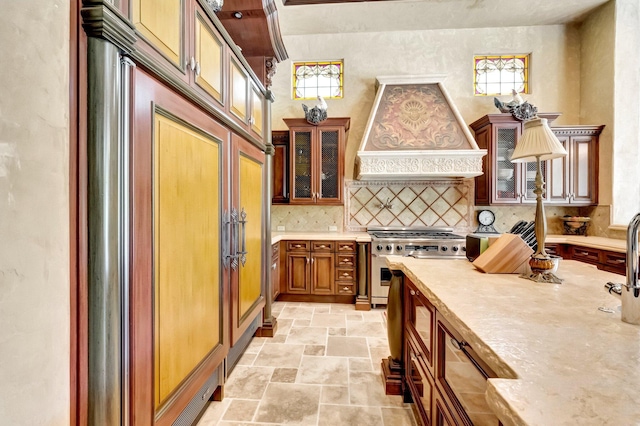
pixel 555 75
pixel 626 145
pixel 34 212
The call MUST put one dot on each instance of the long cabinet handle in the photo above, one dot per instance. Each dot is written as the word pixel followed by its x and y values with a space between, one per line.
pixel 242 254
pixel 230 239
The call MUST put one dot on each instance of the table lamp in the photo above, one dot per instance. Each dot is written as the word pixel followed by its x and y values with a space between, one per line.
pixel 538 143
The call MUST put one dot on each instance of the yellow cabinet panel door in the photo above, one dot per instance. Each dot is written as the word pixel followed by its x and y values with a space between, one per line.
pixel 160 22
pixel 250 282
pixel 186 244
pixel 239 95
pixel 256 111
pixel 208 54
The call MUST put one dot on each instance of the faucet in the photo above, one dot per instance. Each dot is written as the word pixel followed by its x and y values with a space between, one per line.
pixel 630 291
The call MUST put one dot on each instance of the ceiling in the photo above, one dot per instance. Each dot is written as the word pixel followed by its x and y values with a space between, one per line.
pixel 407 15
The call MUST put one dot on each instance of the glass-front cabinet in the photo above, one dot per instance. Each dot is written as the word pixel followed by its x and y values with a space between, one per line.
pixel 317 161
pixel 571 180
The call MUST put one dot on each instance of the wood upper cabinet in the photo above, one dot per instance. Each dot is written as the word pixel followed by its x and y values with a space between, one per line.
pixel 573 179
pixel 280 190
pixel 316 160
pixel 504 182
pixel 246 101
pixel 181 38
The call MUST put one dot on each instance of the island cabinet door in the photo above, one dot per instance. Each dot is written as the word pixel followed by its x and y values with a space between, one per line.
pixel 419 382
pixel 247 298
pixel 461 376
pixel 420 322
pixel 178 298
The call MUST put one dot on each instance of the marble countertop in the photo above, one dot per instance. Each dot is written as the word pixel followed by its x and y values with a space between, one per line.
pixel 330 236
pixel 559 359
pixel 593 242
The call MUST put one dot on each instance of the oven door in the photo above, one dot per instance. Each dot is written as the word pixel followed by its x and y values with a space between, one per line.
pixel 380 279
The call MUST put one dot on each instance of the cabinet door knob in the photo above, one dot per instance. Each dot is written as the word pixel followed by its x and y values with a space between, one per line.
pixel 191 63
pixel 413 293
pixel 197 69
pixel 274 266
pixel 307 260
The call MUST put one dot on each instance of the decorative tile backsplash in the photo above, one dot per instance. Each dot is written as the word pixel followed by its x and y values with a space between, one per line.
pixel 446 203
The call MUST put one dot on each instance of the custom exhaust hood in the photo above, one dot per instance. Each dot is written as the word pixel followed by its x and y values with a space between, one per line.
pixel 415 132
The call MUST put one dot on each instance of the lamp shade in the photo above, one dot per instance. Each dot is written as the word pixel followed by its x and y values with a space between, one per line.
pixel 537 141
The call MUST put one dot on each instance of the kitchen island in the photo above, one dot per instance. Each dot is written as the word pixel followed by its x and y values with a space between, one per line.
pixel 559 360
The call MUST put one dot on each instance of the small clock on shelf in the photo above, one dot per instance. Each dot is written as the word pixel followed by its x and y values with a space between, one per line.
pixel 486 219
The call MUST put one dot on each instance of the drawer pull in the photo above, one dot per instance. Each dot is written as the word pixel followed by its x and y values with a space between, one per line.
pixel 619 260
pixel 345 288
pixel 274 266
pixel 322 246
pixel 456 344
pixel 413 293
pixel 583 253
pixel 345 247
pixel 346 262
pixel 346 274
pixel 298 245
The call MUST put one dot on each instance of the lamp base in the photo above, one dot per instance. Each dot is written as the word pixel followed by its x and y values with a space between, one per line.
pixel 542 277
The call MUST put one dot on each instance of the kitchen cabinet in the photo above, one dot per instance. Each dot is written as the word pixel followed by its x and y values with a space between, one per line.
pixel 280 190
pixel 275 270
pixel 606 260
pixel 443 376
pixel 181 38
pixel 247 207
pixel 246 103
pixel 320 271
pixel 179 325
pixel 503 182
pixel 316 160
pixel 573 180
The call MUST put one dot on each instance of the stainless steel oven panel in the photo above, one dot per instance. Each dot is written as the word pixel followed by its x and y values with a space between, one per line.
pixel 380 280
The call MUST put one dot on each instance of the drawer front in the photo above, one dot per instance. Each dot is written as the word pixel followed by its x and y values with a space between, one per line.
pixel 346 260
pixel 322 246
pixel 345 274
pixel 346 246
pixel 585 254
pixel 614 262
pixel 298 246
pixel 345 287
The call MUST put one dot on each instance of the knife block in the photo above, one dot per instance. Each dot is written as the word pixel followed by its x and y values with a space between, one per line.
pixel 506 255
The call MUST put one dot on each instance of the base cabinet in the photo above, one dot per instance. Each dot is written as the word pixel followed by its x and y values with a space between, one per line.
pixel 607 260
pixel 321 271
pixel 443 376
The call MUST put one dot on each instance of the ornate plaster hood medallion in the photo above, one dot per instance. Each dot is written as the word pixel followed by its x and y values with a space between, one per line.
pixel 415 132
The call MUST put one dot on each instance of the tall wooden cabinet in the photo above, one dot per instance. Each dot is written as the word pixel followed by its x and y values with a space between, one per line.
pixel 175 155
pixel 316 160
pixel 569 181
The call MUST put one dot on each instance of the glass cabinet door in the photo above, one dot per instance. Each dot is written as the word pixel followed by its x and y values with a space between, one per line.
pixel 462 380
pixel 302 166
pixel 329 164
pixel 507 188
pixel 530 180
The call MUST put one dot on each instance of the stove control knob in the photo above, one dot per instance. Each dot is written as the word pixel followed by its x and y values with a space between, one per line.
pixel 379 247
pixel 464 248
pixel 454 248
pixel 389 248
pixel 444 248
pixel 399 248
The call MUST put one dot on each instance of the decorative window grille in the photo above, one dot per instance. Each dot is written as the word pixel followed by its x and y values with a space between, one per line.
pixel 313 79
pixel 499 74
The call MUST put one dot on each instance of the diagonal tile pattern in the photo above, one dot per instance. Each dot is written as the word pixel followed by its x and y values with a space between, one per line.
pixel 321 368
pixel 433 203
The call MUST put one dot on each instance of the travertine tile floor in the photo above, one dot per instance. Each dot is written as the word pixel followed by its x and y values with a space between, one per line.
pixel 321 368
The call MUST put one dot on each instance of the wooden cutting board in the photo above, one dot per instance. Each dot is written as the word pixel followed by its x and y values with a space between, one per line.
pixel 506 255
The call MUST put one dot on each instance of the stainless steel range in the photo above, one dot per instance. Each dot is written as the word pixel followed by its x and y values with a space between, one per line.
pixel 421 243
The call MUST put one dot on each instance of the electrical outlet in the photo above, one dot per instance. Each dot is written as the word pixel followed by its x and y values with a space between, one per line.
pixel 280 228
pixel 333 228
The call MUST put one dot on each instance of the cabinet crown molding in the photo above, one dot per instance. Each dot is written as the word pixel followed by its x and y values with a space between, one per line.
pixel 100 19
